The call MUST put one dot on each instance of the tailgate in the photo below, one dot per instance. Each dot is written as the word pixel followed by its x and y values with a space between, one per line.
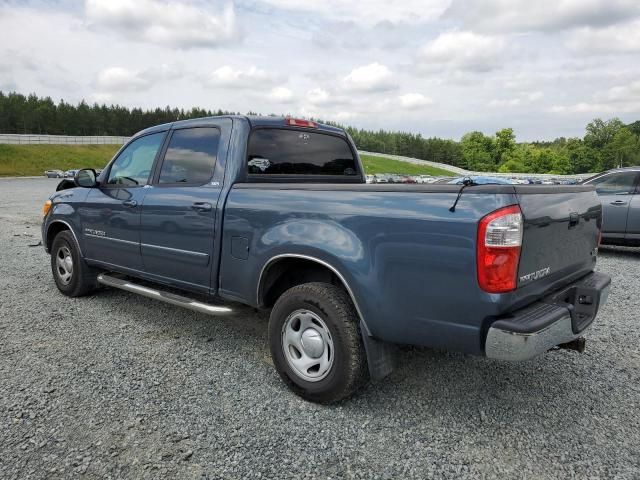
pixel 561 231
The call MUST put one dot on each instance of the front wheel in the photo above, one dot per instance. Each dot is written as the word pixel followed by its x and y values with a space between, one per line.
pixel 315 342
pixel 72 275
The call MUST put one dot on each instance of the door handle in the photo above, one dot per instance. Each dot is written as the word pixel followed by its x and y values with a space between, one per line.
pixel 130 203
pixel 202 206
pixel 619 202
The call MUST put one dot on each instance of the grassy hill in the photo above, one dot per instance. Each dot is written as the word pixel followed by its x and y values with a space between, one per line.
pixel 26 160
pixel 375 164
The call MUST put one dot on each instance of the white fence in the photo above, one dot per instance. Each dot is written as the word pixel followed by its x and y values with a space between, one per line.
pixel 17 139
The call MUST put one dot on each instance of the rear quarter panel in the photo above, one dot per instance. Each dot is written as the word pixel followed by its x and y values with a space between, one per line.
pixel 409 261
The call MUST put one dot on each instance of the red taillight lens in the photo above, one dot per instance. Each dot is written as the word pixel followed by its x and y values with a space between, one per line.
pixel 297 122
pixel 498 249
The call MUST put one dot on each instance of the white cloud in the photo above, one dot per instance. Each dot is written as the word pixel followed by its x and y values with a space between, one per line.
pixel 370 78
pixel 621 93
pixel 582 107
pixel 535 96
pixel 524 100
pixel 318 96
pixel 368 12
pixel 614 100
pixel 615 39
pixel 342 116
pixel 502 103
pixel 412 101
pixel 462 50
pixel 167 23
pixel 251 77
pixel 539 15
pixel 330 114
pixel 281 95
pixel 118 79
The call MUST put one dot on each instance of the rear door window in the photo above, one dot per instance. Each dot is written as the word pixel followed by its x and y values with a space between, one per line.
pixel 274 151
pixel 190 157
pixel 615 183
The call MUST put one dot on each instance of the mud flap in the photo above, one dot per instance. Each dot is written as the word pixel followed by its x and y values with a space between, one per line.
pixel 381 356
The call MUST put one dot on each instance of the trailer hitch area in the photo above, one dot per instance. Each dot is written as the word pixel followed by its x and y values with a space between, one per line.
pixel 579 345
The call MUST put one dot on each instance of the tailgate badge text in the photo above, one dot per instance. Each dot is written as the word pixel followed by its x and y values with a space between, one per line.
pixel 543 272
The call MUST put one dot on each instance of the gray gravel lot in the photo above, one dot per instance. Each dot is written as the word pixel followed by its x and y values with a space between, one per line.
pixel 118 386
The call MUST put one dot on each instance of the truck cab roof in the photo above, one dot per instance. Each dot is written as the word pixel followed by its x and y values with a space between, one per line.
pixel 254 121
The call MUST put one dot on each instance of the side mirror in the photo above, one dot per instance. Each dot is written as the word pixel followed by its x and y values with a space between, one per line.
pixel 86 178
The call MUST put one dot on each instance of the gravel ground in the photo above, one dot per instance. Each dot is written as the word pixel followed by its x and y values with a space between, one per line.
pixel 118 386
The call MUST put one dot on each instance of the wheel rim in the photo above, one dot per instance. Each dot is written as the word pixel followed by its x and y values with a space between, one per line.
pixel 307 345
pixel 64 265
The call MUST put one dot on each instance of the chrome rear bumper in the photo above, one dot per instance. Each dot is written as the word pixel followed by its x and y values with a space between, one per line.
pixel 558 319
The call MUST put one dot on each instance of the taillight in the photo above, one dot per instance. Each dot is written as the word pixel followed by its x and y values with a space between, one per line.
pixel 498 250
pixel 298 122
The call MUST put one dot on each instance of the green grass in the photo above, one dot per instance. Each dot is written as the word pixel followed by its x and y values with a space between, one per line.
pixel 375 164
pixel 26 160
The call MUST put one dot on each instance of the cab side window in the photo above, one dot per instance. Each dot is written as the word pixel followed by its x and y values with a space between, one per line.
pixel 133 165
pixel 615 184
pixel 191 156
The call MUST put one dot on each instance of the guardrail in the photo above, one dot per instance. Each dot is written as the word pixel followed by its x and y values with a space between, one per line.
pixel 28 139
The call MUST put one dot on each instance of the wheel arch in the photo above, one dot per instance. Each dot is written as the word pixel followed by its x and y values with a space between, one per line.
pixel 54 228
pixel 381 356
pixel 290 269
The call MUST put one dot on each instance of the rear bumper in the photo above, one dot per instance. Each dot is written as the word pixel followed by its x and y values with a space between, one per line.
pixel 556 319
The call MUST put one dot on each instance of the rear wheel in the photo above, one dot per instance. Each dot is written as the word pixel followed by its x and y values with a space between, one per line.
pixel 72 275
pixel 315 342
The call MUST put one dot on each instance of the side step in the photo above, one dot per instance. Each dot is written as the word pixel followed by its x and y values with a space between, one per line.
pixel 172 298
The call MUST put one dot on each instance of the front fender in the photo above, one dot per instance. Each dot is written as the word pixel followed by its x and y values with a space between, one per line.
pixel 64 215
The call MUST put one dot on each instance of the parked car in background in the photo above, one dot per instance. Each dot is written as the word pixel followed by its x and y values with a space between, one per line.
pixel 70 173
pixel 54 173
pixel 422 179
pixel 619 191
pixel 481 180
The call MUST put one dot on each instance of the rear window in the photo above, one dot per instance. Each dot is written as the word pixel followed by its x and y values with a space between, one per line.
pixel 294 152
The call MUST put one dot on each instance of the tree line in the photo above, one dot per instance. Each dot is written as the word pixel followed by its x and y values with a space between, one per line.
pixel 606 143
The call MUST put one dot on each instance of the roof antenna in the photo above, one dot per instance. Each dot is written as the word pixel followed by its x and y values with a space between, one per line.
pixel 466 182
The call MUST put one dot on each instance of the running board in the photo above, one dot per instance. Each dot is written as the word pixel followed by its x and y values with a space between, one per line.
pixel 172 298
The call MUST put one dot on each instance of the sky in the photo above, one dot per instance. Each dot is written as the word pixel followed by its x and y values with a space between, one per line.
pixel 437 67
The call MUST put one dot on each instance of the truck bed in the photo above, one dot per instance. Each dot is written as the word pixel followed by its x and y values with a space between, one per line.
pixel 400 248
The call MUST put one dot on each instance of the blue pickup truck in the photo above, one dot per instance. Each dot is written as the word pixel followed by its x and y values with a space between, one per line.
pixel 275 213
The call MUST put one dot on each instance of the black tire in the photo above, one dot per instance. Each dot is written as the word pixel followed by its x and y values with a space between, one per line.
pixel 82 278
pixel 334 308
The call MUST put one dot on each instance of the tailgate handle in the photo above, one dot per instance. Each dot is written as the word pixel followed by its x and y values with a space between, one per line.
pixel 574 219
